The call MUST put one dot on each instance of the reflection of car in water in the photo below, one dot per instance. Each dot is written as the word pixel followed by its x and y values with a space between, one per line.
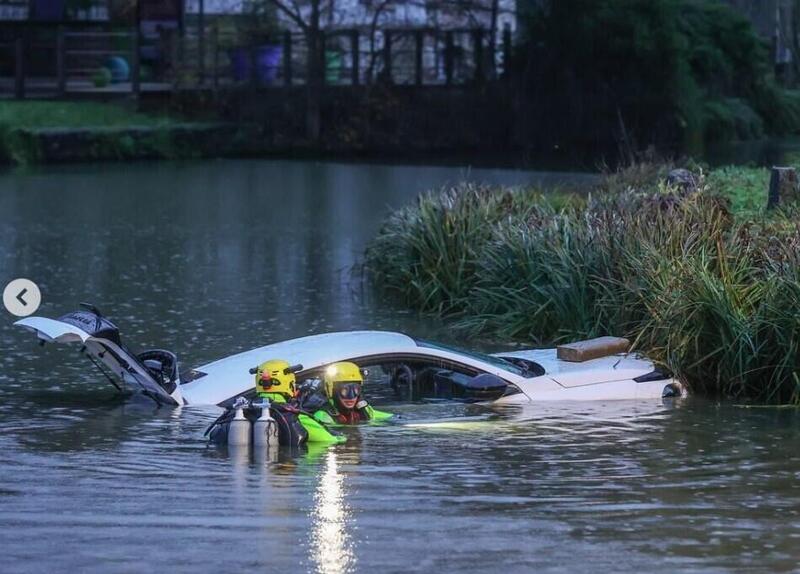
pixel 414 369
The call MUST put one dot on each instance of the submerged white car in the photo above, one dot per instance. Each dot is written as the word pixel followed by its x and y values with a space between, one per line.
pixel 415 369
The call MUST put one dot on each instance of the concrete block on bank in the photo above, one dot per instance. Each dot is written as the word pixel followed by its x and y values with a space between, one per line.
pixel 783 186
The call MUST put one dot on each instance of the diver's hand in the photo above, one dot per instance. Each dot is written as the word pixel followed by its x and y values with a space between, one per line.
pixel 362 404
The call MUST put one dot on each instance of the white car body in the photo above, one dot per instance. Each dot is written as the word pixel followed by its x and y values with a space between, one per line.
pixel 606 378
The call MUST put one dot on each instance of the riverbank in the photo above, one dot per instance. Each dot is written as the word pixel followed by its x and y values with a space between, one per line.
pixel 264 125
pixel 42 132
pixel 704 280
pixel 51 132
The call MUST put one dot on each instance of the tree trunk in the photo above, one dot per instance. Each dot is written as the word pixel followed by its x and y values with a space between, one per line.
pixel 795 37
pixel 315 70
pixel 492 68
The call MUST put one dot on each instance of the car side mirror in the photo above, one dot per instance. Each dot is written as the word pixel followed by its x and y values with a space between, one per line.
pixel 154 365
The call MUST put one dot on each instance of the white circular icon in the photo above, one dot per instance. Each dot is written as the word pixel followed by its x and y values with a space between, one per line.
pixel 22 297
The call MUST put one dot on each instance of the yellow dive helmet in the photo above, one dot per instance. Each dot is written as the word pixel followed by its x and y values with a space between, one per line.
pixel 342 372
pixel 276 376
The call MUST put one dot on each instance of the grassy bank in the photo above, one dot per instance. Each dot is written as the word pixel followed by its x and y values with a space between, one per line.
pixel 38 131
pixel 705 282
pixel 42 114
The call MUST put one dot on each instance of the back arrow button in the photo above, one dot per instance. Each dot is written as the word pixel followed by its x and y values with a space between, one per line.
pixel 22 297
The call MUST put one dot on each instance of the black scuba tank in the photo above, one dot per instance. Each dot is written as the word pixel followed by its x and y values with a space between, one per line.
pixel 291 432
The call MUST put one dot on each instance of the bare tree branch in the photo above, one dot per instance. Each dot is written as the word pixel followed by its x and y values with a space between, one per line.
pixel 379 10
pixel 294 16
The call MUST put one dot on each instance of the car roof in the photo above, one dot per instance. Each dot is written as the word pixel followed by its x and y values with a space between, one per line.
pixel 318 349
pixel 231 374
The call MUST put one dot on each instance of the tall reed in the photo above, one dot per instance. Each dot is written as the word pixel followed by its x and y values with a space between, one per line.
pixel 714 298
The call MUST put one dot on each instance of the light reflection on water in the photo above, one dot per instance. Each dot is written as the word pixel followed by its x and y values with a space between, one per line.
pixel 622 486
pixel 331 544
pixel 209 259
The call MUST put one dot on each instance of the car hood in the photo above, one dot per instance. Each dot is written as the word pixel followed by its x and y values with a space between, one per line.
pixel 569 374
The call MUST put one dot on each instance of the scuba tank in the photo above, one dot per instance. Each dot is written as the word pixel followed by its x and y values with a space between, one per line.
pixel 265 429
pixel 239 427
pixel 272 423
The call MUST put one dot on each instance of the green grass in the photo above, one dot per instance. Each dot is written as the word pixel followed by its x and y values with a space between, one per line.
pixel 24 124
pixel 706 283
pixel 745 187
pixel 39 114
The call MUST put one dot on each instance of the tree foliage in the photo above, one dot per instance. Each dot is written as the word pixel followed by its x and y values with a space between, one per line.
pixel 672 70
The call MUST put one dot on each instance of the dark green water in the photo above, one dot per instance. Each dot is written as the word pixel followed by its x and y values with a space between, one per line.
pixel 211 258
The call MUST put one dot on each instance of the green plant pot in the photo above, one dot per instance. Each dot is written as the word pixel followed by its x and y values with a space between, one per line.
pixel 101 78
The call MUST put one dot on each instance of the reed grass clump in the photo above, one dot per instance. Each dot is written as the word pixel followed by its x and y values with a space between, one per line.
pixel 429 253
pixel 713 296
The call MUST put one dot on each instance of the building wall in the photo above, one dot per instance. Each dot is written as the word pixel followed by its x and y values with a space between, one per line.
pixel 398 14
pixel 24 9
pixel 216 6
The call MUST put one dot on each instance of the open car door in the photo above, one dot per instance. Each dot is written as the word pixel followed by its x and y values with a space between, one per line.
pixel 153 373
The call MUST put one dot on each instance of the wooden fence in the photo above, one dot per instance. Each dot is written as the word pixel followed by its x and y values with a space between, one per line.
pixel 64 60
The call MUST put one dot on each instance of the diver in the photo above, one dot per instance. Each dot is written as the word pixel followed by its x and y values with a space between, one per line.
pixel 275 387
pixel 343 402
pixel 275 382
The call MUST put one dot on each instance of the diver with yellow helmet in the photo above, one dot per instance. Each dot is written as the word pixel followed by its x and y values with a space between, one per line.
pixel 345 404
pixel 275 382
pixel 275 386
pixel 302 414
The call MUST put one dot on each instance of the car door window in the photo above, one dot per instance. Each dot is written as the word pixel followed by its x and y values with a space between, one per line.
pixel 416 378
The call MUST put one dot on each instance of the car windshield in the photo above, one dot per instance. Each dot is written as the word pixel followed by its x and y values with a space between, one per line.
pixel 492 360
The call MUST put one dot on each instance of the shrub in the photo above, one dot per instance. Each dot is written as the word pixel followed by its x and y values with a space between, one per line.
pixel 711 295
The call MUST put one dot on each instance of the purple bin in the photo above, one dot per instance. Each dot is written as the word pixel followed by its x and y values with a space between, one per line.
pixel 267 60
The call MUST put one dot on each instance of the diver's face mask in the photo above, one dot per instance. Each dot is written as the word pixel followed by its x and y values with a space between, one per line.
pixel 347 394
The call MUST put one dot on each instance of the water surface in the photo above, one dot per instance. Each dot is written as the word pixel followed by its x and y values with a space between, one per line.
pixel 211 258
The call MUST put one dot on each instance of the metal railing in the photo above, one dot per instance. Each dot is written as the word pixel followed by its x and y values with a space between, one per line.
pixel 66 58
pixel 59 59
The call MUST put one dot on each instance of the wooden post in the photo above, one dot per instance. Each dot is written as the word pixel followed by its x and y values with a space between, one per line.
pixel 419 44
pixel 19 68
pixel 287 58
pixel 506 50
pixel 783 186
pixel 61 61
pixel 135 62
pixel 174 53
pixel 215 55
pixel 181 55
pixel 201 42
pixel 387 56
pixel 355 52
pixel 253 66
pixel 448 57
pixel 477 54
pixel 323 61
